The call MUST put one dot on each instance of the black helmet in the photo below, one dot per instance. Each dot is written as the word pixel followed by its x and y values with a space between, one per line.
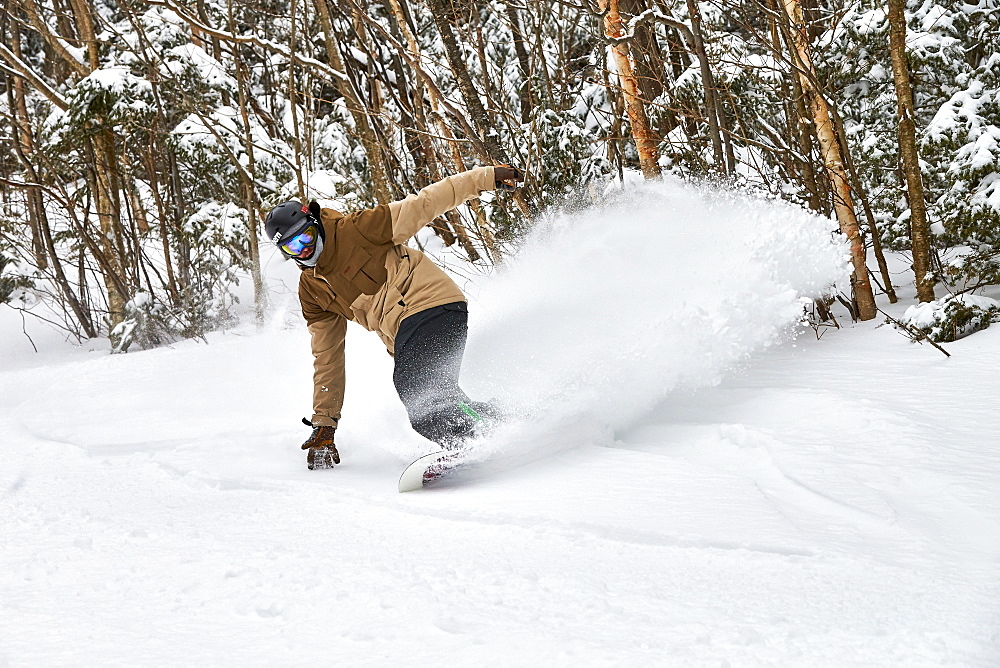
pixel 286 220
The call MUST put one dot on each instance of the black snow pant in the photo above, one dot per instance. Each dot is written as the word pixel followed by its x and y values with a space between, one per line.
pixel 428 353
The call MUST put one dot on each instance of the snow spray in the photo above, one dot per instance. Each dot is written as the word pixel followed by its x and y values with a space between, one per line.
pixel 606 310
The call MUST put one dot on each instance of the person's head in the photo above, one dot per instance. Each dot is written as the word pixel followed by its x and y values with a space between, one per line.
pixel 293 228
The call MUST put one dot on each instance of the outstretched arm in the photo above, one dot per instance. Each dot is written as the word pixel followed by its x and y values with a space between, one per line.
pixel 419 209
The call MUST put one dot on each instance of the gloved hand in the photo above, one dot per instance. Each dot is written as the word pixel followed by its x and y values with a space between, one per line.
pixel 506 177
pixel 322 452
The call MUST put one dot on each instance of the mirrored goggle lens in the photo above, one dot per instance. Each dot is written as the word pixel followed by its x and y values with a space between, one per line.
pixel 300 241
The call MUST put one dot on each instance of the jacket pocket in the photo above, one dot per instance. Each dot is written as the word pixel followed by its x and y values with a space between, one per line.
pixel 352 271
pixel 356 260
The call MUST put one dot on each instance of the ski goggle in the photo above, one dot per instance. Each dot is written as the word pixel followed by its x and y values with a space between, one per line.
pixel 301 241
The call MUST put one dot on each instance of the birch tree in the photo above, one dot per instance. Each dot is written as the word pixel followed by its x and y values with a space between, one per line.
pixel 646 141
pixel 833 160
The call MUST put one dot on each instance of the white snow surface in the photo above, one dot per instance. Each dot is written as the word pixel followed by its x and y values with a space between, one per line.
pixel 690 484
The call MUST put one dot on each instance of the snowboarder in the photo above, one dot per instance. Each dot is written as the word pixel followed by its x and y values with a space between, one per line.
pixel 357 267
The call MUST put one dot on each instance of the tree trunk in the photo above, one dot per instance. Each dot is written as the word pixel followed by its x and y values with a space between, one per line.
pixel 357 109
pixel 416 129
pixel 708 84
pixel 648 60
pixel 293 96
pixel 43 245
pixel 132 193
pixel 798 123
pixel 249 191
pixel 883 266
pixel 919 233
pixel 154 150
pixel 443 14
pixel 105 206
pixel 105 184
pixel 524 93
pixel 833 161
pixel 85 26
pixel 646 141
pixel 162 217
pixel 817 183
pixel 19 108
pixel 480 133
pixel 460 166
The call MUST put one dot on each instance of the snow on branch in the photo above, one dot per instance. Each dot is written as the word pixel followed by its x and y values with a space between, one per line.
pixel 20 69
pixel 266 44
pixel 647 16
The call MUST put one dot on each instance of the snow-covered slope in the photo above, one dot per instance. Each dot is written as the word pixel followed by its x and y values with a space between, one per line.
pixel 696 485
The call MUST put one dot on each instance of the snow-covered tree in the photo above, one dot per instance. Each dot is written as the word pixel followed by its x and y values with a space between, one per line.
pixel 145 142
pixel 952 53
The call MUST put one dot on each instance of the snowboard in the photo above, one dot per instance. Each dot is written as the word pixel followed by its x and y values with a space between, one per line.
pixel 432 468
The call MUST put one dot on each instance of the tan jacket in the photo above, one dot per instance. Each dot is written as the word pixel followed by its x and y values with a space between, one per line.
pixel 365 273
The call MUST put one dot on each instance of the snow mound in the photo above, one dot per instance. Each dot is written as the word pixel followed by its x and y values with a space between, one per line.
pixel 606 310
pixel 952 317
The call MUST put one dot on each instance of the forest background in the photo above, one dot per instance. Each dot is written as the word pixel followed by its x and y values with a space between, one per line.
pixel 143 142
